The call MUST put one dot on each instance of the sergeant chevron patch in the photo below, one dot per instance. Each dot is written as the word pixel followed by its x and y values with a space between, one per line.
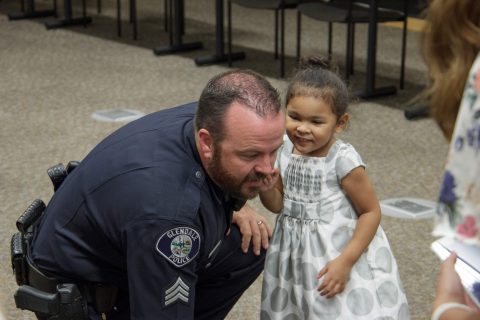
pixel 179 291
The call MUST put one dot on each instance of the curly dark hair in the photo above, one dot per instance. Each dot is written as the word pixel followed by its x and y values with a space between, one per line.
pixel 315 77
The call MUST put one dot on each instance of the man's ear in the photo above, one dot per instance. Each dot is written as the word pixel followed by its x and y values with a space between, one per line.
pixel 205 144
pixel 342 122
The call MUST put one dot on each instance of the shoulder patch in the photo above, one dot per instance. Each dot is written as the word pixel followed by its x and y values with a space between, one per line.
pixel 179 245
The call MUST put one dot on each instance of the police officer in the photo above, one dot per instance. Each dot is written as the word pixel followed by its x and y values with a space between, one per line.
pixel 155 209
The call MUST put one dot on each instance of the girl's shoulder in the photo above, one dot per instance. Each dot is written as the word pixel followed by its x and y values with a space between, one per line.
pixel 341 149
pixel 287 148
pixel 343 158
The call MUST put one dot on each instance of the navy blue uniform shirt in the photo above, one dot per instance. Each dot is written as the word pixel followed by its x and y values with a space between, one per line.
pixel 139 213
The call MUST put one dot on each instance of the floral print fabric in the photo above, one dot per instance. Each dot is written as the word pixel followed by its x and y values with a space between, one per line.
pixel 458 213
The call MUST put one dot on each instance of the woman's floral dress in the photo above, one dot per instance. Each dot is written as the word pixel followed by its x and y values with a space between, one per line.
pixel 458 213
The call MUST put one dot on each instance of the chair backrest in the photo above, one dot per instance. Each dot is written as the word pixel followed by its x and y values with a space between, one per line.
pixel 341 4
pixel 413 8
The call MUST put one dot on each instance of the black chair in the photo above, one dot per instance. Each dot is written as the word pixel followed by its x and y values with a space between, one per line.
pixel 278 6
pixel 133 16
pixel 351 12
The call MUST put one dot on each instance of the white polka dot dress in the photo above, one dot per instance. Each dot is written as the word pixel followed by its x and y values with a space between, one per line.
pixel 316 223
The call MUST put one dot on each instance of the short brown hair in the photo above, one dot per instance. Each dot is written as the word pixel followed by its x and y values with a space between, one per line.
pixel 244 86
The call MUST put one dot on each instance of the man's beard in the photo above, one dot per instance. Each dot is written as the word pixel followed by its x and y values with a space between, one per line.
pixel 227 181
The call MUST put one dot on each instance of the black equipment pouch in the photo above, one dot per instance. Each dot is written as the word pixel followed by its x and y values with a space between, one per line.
pixel 19 263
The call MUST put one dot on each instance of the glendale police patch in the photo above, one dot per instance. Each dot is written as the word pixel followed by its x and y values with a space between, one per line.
pixel 179 245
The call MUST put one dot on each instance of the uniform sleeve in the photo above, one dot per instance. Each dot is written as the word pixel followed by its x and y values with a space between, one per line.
pixel 161 262
pixel 347 160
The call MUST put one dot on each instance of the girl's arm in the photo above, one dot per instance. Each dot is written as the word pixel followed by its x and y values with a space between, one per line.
pixel 272 199
pixel 360 191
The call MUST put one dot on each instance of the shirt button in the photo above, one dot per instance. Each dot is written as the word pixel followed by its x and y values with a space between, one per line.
pixel 198 174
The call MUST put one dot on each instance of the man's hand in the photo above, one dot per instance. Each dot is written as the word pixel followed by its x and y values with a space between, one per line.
pixel 254 228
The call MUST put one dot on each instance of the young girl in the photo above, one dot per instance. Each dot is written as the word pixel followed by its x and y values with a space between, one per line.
pixel 328 257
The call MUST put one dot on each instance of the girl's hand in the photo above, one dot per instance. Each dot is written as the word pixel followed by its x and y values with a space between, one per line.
pixel 336 274
pixel 270 180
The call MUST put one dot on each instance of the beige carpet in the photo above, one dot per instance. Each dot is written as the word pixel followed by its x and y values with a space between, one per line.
pixel 52 81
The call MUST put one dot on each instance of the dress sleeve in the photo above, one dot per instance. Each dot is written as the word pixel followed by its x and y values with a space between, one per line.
pixel 161 268
pixel 458 211
pixel 283 155
pixel 347 160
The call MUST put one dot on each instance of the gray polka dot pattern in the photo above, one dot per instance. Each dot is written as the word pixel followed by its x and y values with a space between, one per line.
pixel 279 299
pixel 403 313
pixel 317 249
pixel 360 301
pixel 324 213
pixel 297 276
pixel 305 308
pixel 310 281
pixel 316 223
pixel 271 267
pixel 363 269
pixel 387 294
pixel 327 309
pixel 286 269
pixel 383 259
pixel 340 237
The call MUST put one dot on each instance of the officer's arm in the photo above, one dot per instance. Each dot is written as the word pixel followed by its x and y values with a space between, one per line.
pixel 161 269
pixel 254 229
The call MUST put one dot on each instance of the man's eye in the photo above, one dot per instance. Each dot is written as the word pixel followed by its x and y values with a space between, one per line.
pixel 249 156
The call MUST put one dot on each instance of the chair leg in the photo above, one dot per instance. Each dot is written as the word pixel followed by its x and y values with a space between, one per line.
pixel 330 35
pixel 119 22
pixel 84 12
pixel 276 34
pixel 404 51
pixel 299 35
pixel 229 32
pixel 99 6
pixel 133 17
pixel 348 51
pixel 282 42
pixel 165 14
pixel 352 48
pixel 170 21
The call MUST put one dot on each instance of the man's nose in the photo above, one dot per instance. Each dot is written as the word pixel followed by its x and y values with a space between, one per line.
pixel 265 166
